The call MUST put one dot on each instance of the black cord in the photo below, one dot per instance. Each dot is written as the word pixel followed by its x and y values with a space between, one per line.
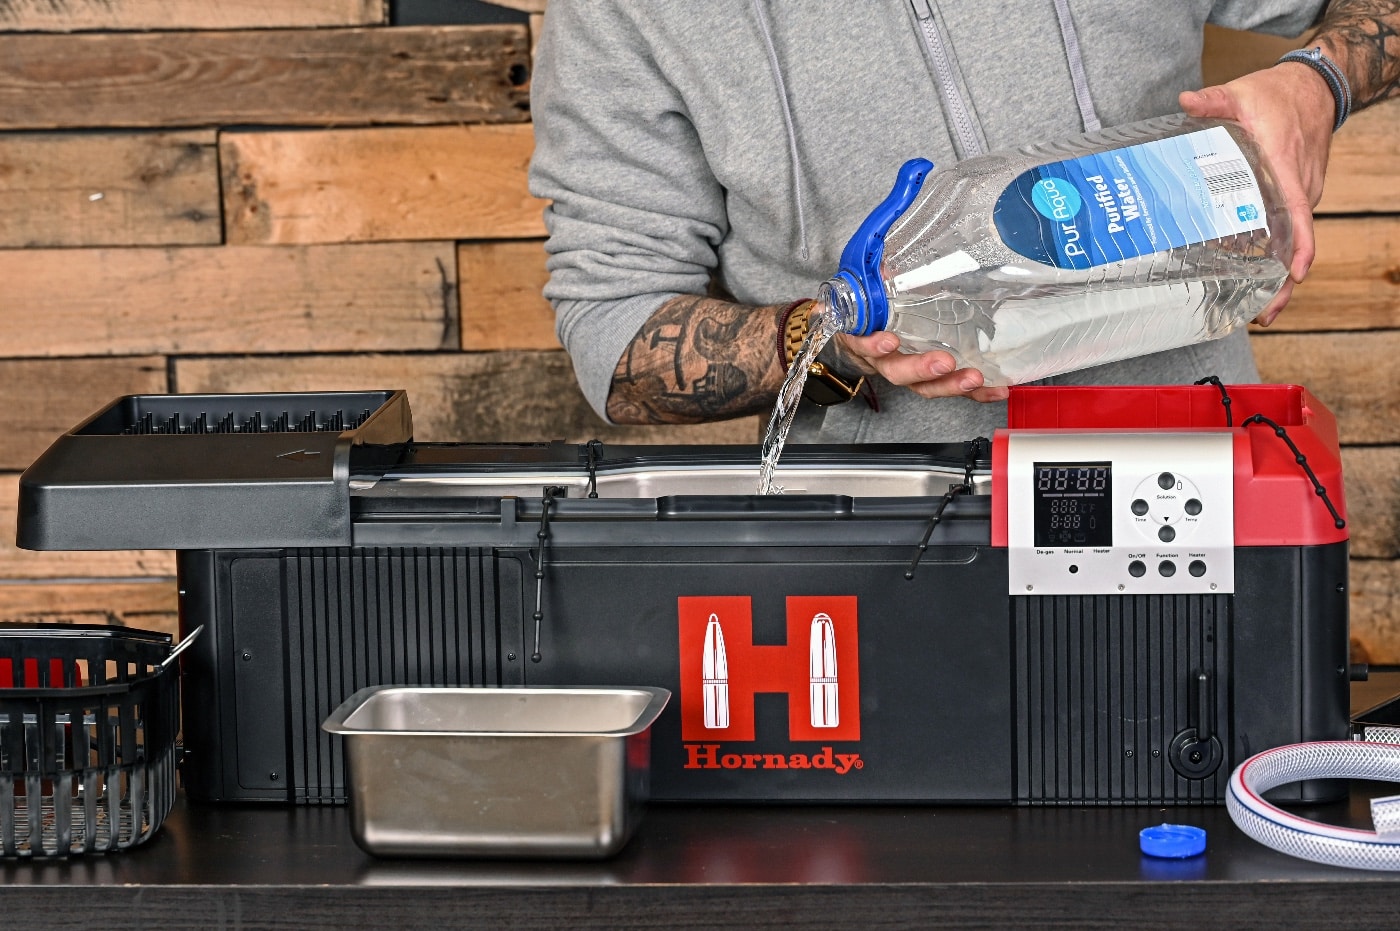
pixel 1224 396
pixel 543 536
pixel 1302 461
pixel 1282 434
pixel 595 448
pixel 975 449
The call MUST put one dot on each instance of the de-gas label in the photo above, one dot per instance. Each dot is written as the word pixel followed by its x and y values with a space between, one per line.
pixel 1132 201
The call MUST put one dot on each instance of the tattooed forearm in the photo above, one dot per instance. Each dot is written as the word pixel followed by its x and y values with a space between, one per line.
pixel 1363 37
pixel 698 359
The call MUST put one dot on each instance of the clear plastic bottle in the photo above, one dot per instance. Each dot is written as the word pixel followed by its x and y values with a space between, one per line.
pixel 1057 257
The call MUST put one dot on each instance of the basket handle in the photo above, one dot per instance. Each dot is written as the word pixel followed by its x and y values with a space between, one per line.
pixel 179 648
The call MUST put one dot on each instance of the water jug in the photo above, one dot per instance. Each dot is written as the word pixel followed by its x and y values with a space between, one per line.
pixel 1056 257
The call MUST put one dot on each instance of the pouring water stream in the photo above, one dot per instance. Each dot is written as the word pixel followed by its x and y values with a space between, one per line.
pixel 820 329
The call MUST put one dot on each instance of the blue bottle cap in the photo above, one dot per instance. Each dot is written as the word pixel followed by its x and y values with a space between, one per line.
pixel 1172 840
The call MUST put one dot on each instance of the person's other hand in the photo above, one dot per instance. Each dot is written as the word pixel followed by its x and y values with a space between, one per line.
pixel 1290 112
pixel 928 374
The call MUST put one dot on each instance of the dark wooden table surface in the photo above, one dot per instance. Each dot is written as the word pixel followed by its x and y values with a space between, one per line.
pixel 718 867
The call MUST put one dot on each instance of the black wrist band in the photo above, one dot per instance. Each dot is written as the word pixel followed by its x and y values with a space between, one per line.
pixel 1336 80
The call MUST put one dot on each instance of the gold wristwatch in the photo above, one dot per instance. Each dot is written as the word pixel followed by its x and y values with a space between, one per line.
pixel 824 385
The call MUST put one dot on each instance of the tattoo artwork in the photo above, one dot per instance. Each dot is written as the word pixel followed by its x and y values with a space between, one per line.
pixel 1365 35
pixel 698 359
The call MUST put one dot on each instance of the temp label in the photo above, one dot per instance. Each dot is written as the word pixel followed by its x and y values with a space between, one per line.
pixel 1133 201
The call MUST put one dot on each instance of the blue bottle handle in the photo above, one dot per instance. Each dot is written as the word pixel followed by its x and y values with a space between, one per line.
pixel 860 261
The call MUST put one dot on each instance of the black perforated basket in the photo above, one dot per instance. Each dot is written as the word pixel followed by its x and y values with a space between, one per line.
pixel 88 718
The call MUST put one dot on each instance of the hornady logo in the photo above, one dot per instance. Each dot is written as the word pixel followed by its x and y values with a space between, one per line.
pixel 722 670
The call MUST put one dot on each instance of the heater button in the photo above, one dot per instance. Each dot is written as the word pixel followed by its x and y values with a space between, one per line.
pixel 1197 568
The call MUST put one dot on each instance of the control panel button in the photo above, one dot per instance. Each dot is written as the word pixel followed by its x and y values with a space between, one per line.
pixel 1166 481
pixel 1166 568
pixel 1193 507
pixel 1197 568
pixel 1166 534
pixel 1137 569
pixel 1139 507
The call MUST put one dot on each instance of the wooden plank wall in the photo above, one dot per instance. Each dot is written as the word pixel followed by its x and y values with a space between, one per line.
pixel 250 196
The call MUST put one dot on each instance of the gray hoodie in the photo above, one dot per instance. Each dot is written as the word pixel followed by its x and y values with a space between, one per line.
pixel 733 147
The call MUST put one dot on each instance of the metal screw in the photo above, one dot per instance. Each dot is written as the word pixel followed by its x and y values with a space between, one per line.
pixel 273 776
pixel 247 656
pixel 510 657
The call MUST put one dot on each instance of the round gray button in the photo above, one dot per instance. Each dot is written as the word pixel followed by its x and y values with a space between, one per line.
pixel 1197 568
pixel 1193 507
pixel 1167 481
pixel 1139 507
pixel 1136 569
pixel 1166 534
pixel 1166 568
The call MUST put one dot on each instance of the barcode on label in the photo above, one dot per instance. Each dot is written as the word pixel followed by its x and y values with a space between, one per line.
pixel 1227 176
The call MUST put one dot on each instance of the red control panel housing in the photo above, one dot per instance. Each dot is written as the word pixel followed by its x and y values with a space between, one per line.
pixel 1276 503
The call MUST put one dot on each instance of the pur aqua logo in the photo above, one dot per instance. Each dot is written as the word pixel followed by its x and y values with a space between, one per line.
pixel 1056 199
pixel 722 669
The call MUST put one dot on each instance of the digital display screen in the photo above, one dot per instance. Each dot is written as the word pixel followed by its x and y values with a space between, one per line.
pixel 1072 504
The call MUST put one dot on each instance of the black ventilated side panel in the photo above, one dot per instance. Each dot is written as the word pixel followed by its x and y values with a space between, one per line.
pixel 1105 684
pixel 358 617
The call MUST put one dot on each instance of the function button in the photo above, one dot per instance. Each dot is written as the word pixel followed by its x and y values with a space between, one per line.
pixel 1197 568
pixel 1166 481
pixel 1139 507
pixel 1137 569
pixel 1166 568
pixel 1166 534
pixel 1193 506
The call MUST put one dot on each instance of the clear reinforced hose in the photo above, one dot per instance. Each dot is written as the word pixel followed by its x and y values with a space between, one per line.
pixel 1312 840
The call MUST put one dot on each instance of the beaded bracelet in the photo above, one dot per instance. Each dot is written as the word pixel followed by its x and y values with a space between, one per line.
pixel 1331 73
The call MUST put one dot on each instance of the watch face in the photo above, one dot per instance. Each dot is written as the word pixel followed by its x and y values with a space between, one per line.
pixel 824 387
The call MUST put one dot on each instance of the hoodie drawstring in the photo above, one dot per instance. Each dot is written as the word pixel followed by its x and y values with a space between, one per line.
pixel 1076 68
pixel 798 182
pixel 1068 34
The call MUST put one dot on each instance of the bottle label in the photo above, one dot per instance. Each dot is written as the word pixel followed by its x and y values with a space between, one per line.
pixel 1132 201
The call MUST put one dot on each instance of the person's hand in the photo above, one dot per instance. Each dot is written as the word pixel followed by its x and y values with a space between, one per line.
pixel 1290 112
pixel 928 374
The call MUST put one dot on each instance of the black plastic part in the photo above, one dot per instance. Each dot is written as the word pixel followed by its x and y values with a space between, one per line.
pixel 1386 714
pixel 1013 690
pixel 88 718
pixel 967 693
pixel 199 471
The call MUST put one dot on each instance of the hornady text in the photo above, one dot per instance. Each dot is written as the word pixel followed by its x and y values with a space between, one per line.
pixel 708 756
